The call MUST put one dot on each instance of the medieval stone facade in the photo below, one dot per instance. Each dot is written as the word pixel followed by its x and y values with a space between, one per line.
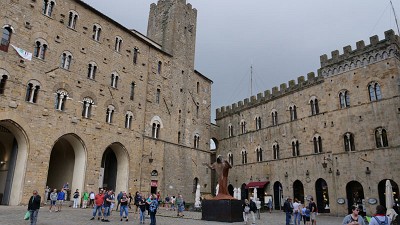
pixel 334 136
pixel 100 105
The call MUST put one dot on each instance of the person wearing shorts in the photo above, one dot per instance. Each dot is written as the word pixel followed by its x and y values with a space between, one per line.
pixel 60 200
pixel 53 199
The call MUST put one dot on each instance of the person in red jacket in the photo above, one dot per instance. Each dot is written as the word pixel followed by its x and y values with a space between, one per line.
pixel 98 204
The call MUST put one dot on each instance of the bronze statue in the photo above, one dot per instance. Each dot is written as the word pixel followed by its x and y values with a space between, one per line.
pixel 222 168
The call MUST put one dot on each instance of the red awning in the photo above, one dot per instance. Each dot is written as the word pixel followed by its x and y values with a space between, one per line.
pixel 257 184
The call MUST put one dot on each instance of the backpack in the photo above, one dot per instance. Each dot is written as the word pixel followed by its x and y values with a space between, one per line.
pixel 386 222
pixel 153 206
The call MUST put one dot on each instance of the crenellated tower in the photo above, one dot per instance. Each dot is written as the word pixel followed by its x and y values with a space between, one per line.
pixel 172 24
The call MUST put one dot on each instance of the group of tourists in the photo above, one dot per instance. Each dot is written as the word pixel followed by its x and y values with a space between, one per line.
pixel 299 212
pixel 380 217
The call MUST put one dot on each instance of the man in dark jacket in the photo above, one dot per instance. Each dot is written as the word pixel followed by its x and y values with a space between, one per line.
pixel 34 206
pixel 288 208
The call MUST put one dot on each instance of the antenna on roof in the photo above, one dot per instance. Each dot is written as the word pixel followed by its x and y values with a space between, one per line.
pixel 251 80
pixel 395 17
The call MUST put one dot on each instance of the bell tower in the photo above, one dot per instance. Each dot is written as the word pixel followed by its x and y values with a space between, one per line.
pixel 172 24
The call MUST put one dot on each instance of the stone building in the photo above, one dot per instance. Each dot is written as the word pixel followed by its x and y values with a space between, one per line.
pixel 100 105
pixel 334 136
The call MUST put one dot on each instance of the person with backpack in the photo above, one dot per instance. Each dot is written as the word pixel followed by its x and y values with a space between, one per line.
pixel 353 218
pixel 76 199
pixel 253 209
pixel 380 217
pixel 153 209
pixel 288 209
pixel 142 210
pixel 246 210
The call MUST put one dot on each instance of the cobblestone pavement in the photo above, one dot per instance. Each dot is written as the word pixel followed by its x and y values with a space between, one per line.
pixel 13 215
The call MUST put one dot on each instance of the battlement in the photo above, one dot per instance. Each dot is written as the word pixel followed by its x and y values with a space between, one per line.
pixel 270 95
pixel 164 3
pixel 375 46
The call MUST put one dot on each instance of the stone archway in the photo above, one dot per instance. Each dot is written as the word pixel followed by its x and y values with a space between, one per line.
pixel 354 193
pixel 67 163
pixel 230 190
pixel 322 196
pixel 298 191
pixel 244 193
pixel 382 191
pixel 114 171
pixel 278 195
pixel 13 157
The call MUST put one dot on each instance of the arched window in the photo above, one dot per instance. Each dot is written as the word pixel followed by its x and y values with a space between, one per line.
pixel 275 149
pixel 230 130
pixel 32 91
pixel 61 99
pixel 66 59
pixel 87 107
pixel 48 7
pixel 196 141
pixel 314 106
pixel 243 126
pixel 96 32
pixel 114 80
pixel 274 116
pixel 230 158
pixel 135 55
pixel 3 81
pixel 375 93
pixel 317 140
pixel 244 156
pixel 110 113
pixel 156 129
pixel 72 19
pixel 381 138
pixel 348 139
pixel 118 43
pixel 40 49
pixel 258 123
pixel 5 38
pixel 293 113
pixel 259 153
pixel 295 148
pixel 92 69
pixel 128 119
pixel 344 99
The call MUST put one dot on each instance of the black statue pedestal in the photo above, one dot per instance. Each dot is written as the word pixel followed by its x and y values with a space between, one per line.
pixel 222 210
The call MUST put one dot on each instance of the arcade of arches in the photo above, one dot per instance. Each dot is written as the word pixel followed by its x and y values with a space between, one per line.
pixel 67 163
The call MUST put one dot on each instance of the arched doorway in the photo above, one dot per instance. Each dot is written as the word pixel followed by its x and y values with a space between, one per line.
pixel 67 164
pixel 230 190
pixel 13 156
pixel 354 193
pixel 322 196
pixel 278 195
pixel 298 191
pixel 114 169
pixel 244 192
pixel 382 191
pixel 213 144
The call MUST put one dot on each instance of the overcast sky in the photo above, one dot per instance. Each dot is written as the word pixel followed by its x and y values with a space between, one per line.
pixel 280 39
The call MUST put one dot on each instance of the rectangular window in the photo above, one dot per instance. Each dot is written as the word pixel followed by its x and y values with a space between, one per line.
pixel 158 96
pixel 135 55
pixel 132 96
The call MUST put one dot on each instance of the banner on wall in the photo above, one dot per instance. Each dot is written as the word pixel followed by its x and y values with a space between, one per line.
pixel 24 54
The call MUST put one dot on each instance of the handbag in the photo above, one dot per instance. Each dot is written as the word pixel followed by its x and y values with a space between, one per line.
pixel 27 215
